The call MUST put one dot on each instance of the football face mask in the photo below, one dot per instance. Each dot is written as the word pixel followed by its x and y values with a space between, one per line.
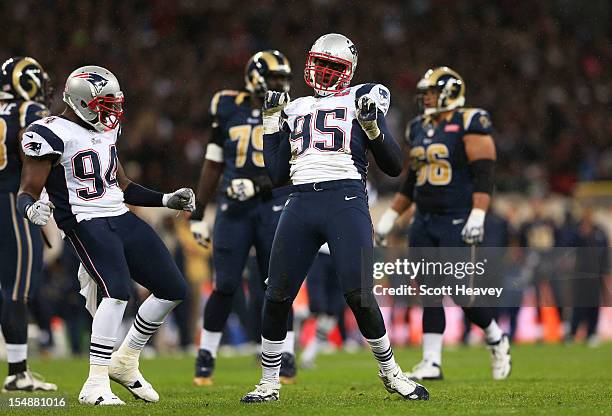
pixel 109 110
pixel 327 73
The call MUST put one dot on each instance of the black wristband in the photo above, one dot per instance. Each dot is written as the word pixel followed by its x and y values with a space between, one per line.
pixel 407 188
pixel 483 175
pixel 198 213
pixel 23 203
pixel 138 195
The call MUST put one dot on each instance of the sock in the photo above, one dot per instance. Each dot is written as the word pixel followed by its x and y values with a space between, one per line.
pixel 104 329
pixel 210 341
pixel 271 352
pixel 493 332
pixel 98 372
pixel 383 353
pixel 149 318
pixel 432 348
pixel 16 355
pixel 289 344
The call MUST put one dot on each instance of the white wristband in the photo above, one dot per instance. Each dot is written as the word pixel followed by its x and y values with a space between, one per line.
pixel 386 222
pixel 271 122
pixel 478 214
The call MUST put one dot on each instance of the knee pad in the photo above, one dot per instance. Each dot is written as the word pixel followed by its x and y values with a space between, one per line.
pixel 227 287
pixel 367 313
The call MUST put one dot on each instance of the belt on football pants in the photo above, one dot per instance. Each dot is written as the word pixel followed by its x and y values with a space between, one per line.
pixel 327 185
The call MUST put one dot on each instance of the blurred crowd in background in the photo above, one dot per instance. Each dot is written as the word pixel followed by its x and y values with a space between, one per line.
pixel 542 69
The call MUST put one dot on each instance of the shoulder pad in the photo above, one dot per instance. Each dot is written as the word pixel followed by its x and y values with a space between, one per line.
pixel 378 92
pixel 476 120
pixel 221 98
pixel 30 111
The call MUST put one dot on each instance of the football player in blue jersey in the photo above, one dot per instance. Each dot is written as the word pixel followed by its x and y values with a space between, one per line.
pixel 320 143
pixel 248 207
pixel 452 159
pixel 24 89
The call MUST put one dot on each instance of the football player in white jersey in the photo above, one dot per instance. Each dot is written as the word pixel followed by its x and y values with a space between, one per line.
pixel 320 143
pixel 74 156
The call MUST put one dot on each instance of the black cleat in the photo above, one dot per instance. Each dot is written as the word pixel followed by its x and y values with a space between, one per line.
pixel 204 367
pixel 288 369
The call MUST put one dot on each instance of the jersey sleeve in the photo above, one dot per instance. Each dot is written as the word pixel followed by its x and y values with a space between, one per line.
pixel 477 121
pixel 38 141
pixel 214 148
pixel 378 93
pixel 30 111
pixel 410 127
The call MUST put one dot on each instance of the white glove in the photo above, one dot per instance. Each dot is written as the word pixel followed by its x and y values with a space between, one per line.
pixel 274 102
pixel 40 211
pixel 182 199
pixel 241 189
pixel 366 116
pixel 384 225
pixel 200 232
pixel 473 231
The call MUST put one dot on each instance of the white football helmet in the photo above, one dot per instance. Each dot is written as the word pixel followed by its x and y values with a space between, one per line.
pixel 330 64
pixel 94 95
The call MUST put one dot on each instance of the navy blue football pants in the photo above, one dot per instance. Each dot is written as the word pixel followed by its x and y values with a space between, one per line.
pixel 240 226
pixel 429 235
pixel 20 269
pixel 335 212
pixel 115 249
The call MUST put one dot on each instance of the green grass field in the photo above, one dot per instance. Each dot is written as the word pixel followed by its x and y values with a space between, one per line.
pixel 546 380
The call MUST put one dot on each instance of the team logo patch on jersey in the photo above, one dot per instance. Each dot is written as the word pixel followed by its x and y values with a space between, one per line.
pixel 451 128
pixel 96 80
pixel 33 146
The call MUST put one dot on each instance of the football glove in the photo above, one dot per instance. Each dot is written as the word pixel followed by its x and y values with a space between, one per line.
pixel 241 189
pixel 274 102
pixel 201 232
pixel 366 116
pixel 473 231
pixel 39 212
pixel 384 226
pixel 182 199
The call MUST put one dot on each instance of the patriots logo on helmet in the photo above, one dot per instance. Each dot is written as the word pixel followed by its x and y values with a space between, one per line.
pixel 96 80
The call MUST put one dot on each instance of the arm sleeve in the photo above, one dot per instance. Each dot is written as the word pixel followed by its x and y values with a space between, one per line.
pixel 387 152
pixel 40 141
pixel 407 188
pixel 140 196
pixel 277 154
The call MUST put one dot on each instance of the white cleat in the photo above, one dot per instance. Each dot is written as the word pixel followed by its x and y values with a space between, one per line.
pixel 97 392
pixel 26 381
pixel 426 370
pixel 123 369
pixel 264 392
pixel 501 362
pixel 397 382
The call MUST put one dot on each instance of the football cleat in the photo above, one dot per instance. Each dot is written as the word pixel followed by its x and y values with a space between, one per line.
pixel 26 381
pixel 501 362
pixel 397 382
pixel 288 369
pixel 264 392
pixel 97 392
pixel 426 370
pixel 123 369
pixel 204 367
